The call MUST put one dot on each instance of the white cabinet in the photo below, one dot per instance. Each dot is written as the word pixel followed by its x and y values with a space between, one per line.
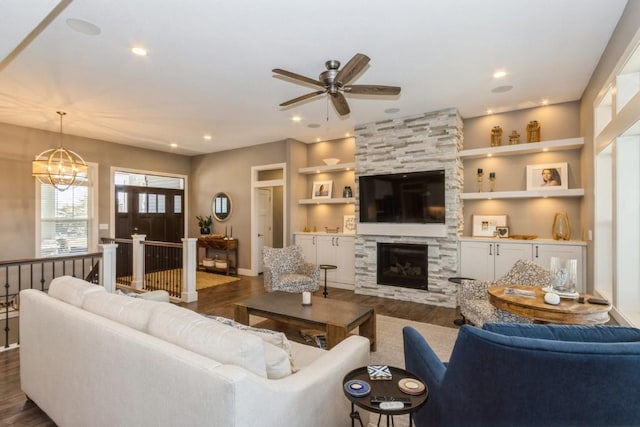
pixel 334 249
pixel 542 254
pixel 490 259
pixel 483 260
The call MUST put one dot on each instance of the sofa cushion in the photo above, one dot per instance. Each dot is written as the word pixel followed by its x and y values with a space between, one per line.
pixel 207 337
pixel 72 290
pixel 278 363
pixel 131 312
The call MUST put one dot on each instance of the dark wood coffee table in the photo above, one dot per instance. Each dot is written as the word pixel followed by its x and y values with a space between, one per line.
pixel 569 311
pixel 337 318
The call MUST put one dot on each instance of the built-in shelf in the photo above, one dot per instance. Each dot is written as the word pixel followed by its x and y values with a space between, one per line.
pixel 573 192
pixel 340 167
pixel 517 149
pixel 334 201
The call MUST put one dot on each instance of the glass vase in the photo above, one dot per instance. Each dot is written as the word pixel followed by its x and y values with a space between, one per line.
pixel 561 228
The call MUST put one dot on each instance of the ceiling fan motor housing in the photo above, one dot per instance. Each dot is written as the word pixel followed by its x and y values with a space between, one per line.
pixel 328 77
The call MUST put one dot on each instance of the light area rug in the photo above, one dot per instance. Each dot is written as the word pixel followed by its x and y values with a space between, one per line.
pixel 390 350
pixel 207 280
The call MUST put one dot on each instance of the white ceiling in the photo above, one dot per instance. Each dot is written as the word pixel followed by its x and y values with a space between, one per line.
pixel 208 70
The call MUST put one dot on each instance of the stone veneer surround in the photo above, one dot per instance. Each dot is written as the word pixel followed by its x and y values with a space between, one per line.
pixel 410 144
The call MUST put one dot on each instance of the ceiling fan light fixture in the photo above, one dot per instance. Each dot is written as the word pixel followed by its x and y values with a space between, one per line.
pixel 60 167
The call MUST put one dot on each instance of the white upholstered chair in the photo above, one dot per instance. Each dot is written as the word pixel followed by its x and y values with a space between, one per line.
pixel 286 270
pixel 474 300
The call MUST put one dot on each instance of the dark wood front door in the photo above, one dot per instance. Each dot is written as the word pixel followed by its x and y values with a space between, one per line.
pixel 157 213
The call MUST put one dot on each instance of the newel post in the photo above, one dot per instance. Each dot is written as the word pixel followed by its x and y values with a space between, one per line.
pixel 189 255
pixel 137 281
pixel 108 266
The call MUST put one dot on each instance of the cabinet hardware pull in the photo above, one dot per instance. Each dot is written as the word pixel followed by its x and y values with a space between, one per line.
pixel 490 248
pixel 536 251
pixel 497 249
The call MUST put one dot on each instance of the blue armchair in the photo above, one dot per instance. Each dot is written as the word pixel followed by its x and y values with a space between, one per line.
pixel 518 374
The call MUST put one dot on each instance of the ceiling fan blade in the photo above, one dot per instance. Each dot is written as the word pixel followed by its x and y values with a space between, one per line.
pixel 352 68
pixel 302 98
pixel 298 77
pixel 340 102
pixel 372 89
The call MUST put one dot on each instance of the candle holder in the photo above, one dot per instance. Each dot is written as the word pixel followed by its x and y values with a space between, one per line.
pixel 306 298
pixel 496 136
pixel 492 181
pixel 479 180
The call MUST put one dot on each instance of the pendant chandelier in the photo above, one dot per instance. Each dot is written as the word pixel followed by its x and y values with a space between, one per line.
pixel 58 166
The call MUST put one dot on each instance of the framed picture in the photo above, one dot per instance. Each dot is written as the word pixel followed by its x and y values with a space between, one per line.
pixel 349 224
pixel 548 176
pixel 502 232
pixel 321 189
pixel 486 225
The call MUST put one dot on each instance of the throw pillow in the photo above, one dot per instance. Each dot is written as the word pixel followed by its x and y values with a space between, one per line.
pixel 275 338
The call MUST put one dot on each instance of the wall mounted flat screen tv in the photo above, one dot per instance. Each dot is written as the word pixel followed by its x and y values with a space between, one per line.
pixel 411 197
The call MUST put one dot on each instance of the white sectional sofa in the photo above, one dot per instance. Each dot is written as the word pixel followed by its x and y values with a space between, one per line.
pixel 91 358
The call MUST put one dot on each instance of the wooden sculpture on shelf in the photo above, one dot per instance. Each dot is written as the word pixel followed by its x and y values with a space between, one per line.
pixel 514 138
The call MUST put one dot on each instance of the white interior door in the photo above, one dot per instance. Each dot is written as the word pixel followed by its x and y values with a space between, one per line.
pixel 265 221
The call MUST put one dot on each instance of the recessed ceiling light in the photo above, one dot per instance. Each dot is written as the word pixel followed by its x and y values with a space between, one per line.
pixel 545 102
pixel 207 137
pixel 347 135
pixel 391 110
pixel 173 145
pixel 489 111
pixel 499 74
pixel 140 51
pixel 313 125
pixel 83 27
pixel 318 140
pixel 296 119
pixel 502 89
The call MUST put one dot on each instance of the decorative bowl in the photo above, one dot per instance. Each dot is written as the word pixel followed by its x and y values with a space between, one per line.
pixel 331 162
pixel 331 230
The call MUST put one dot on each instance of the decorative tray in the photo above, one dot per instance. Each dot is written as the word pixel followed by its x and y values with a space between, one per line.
pixel 523 236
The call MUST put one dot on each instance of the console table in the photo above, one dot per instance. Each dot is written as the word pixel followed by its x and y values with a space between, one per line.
pixel 228 246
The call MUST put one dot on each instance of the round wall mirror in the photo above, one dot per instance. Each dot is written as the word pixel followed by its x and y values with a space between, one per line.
pixel 222 206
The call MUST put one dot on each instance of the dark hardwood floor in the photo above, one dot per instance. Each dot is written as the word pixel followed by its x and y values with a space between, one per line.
pixel 17 410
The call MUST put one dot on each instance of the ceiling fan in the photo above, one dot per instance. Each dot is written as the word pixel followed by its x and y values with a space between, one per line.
pixel 334 81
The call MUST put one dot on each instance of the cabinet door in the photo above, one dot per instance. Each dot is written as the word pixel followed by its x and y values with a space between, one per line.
pixel 326 254
pixel 308 245
pixel 476 260
pixel 506 254
pixel 345 259
pixel 542 254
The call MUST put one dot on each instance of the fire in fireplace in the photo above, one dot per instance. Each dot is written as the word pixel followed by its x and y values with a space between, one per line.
pixel 403 264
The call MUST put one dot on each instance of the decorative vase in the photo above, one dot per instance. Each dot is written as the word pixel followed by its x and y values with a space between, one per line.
pixel 347 192
pixel 561 228
pixel 205 231
pixel 514 138
pixel 533 131
pixel 496 136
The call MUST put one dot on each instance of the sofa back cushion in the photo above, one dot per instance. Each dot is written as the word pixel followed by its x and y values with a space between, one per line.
pixel 132 312
pixel 207 337
pixel 72 290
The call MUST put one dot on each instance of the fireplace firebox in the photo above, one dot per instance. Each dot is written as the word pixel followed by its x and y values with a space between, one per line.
pixel 403 264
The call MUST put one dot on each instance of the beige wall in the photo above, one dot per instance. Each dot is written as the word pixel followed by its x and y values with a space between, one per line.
pixel 524 216
pixel 230 171
pixel 19 145
pixel 625 31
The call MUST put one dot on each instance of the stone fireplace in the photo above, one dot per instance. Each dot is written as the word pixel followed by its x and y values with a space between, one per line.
pixel 418 143
pixel 403 265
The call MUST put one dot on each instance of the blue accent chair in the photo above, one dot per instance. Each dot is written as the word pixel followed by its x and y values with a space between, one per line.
pixel 508 374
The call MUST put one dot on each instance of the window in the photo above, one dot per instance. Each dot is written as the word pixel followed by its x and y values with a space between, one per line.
pixel 65 224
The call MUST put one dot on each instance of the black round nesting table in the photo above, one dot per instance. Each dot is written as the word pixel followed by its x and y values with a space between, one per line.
pixel 326 267
pixel 387 388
